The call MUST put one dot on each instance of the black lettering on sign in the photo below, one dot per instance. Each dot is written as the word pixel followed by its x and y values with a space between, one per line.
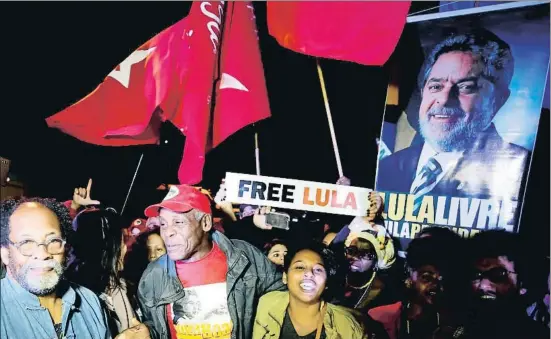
pixel 287 193
pixel 243 187
pixel 258 189
pixel 273 191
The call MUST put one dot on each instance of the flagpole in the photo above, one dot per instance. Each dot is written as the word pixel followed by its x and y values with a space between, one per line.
pixel 132 184
pixel 330 120
pixel 256 153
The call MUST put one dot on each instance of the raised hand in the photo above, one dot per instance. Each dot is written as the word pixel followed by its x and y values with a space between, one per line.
pixel 81 196
pixel 375 206
pixel 344 181
pixel 222 204
pixel 259 218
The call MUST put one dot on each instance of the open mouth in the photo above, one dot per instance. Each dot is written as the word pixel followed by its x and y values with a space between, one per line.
pixel 488 297
pixel 444 117
pixel 307 286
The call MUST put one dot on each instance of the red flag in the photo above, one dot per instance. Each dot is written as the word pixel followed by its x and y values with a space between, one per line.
pixel 172 77
pixel 121 111
pixel 365 32
pixel 241 95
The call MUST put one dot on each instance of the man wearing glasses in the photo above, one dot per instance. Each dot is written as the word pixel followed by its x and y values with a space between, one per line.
pixel 498 269
pixel 368 250
pixel 36 301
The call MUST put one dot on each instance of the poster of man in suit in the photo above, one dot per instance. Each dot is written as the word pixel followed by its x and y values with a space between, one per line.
pixel 472 121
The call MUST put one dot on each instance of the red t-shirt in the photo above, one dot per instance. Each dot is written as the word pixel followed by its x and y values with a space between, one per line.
pixel 203 311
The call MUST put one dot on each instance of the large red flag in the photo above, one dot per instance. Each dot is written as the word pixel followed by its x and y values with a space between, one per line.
pixel 365 32
pixel 172 77
pixel 240 91
pixel 122 110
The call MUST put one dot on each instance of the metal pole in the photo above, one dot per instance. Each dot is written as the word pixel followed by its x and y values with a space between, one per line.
pixel 132 184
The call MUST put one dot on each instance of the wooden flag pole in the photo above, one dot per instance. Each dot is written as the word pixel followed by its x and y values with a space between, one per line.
pixel 330 120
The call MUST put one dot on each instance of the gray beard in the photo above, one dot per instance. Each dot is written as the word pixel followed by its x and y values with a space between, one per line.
pixel 458 136
pixel 42 286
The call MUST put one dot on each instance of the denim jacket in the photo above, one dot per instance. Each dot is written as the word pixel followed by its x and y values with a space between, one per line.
pixel 250 275
pixel 21 315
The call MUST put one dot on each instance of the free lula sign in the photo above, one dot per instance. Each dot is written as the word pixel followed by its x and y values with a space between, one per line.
pixel 296 194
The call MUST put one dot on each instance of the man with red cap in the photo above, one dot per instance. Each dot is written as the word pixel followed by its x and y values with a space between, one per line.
pixel 206 286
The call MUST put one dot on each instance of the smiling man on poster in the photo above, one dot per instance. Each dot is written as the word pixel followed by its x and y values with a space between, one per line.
pixel 464 83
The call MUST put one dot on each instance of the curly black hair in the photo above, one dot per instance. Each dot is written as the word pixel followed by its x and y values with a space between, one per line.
pixel 8 207
pixel 334 265
pixel 496 243
pixel 428 251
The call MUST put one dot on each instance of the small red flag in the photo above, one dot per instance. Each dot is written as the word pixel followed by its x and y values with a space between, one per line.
pixel 365 32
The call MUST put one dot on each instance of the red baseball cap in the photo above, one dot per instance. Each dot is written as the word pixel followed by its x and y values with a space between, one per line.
pixel 181 198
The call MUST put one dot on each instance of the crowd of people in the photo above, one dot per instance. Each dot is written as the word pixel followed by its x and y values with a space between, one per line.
pixel 193 268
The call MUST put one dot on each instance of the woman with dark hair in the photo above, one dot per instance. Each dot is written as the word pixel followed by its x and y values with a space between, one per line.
pixel 147 247
pixel 311 272
pixel 276 250
pixel 99 250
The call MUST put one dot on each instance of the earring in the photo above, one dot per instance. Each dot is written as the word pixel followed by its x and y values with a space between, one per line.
pixel 408 283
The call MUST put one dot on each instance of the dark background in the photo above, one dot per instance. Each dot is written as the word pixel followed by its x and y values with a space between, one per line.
pixel 55 53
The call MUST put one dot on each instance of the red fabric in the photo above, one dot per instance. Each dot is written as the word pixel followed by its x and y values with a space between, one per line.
pixel 389 316
pixel 72 212
pixel 365 32
pixel 209 270
pixel 119 112
pixel 172 76
pixel 241 95
pixel 181 198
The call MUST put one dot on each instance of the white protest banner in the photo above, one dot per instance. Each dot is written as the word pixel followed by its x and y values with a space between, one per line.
pixel 296 194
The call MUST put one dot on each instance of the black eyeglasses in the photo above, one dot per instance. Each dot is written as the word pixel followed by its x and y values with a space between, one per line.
pixel 54 246
pixel 497 275
pixel 359 254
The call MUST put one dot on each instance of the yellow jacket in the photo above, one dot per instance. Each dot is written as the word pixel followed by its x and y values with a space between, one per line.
pixel 338 323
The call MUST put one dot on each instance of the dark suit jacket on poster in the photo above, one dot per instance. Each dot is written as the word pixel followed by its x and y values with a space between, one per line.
pixel 492 168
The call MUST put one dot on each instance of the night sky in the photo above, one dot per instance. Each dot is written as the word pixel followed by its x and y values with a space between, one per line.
pixel 55 53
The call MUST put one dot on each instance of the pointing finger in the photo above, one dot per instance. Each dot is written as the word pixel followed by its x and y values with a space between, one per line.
pixel 89 188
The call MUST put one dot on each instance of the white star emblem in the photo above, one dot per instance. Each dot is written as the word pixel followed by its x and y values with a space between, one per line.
pixel 122 75
pixel 229 81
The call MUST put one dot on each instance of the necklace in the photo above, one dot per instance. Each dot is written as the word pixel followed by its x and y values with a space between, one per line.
pixel 367 287
pixel 407 320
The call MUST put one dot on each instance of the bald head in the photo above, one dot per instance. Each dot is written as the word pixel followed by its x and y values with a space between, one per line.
pixel 33 218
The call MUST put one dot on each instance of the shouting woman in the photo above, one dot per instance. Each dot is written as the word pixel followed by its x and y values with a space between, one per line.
pixel 310 271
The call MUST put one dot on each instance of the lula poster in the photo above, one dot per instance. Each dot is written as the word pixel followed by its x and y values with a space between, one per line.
pixel 459 154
